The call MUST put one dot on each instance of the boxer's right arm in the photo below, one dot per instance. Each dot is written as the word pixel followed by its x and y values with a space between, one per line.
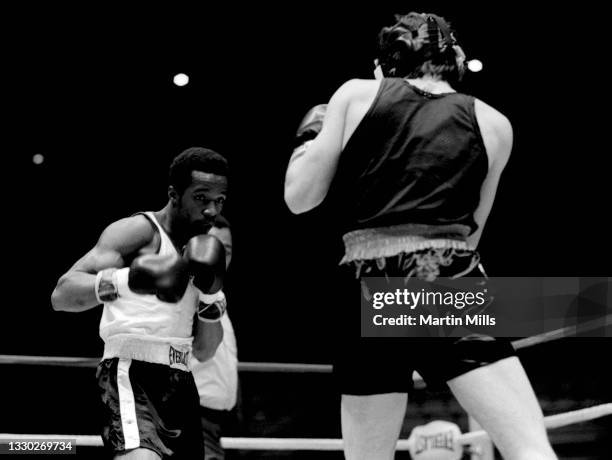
pixel 75 290
pixel 313 164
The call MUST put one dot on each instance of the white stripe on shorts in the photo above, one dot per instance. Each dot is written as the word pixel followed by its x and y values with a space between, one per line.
pixel 127 406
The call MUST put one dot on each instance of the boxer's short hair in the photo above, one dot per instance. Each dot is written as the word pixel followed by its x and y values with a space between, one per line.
pixel 195 159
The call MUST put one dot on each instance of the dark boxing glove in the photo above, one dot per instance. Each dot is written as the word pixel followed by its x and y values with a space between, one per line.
pixel 166 277
pixel 311 125
pixel 205 257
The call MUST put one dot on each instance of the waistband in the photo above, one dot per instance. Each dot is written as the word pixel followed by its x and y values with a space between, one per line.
pixel 374 243
pixel 172 352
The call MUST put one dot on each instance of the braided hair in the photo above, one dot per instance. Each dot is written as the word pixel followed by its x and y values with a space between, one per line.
pixel 420 44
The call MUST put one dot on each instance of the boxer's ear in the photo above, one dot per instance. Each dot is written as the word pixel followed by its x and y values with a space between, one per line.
pixel 378 73
pixel 173 195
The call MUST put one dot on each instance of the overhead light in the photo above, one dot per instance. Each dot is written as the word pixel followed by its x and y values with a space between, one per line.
pixel 181 79
pixel 474 65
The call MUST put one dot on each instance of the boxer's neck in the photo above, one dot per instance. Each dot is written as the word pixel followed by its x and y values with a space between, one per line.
pixel 172 226
pixel 431 85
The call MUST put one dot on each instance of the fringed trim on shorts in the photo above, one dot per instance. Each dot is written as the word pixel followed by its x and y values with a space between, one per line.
pixel 422 249
pixel 375 243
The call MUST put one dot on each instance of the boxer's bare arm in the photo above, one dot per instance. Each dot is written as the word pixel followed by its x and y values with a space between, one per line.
pixel 311 170
pixel 496 133
pixel 206 340
pixel 75 289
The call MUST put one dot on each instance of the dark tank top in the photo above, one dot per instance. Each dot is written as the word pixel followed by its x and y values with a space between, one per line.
pixel 415 158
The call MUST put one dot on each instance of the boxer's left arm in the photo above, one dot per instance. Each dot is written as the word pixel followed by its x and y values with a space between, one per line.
pixel 497 135
pixel 206 339
pixel 312 169
pixel 209 330
pixel 205 255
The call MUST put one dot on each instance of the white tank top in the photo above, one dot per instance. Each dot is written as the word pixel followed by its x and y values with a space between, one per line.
pixel 147 317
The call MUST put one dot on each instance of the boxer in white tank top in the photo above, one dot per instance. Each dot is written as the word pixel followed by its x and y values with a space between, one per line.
pixel 154 317
pixel 141 327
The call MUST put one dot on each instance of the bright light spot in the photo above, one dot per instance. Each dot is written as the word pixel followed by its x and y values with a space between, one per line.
pixel 180 79
pixel 475 65
pixel 38 159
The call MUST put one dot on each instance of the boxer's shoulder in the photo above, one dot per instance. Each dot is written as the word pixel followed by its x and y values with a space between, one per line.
pixel 491 118
pixel 356 95
pixel 495 129
pixel 129 234
pixel 358 88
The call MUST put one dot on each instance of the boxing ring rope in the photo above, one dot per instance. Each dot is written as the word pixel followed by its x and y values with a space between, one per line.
pixel 63 361
pixel 319 444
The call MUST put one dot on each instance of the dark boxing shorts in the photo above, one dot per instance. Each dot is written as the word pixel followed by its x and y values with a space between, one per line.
pixel 365 366
pixel 150 406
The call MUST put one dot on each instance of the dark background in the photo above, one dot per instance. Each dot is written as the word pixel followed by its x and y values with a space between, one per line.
pixel 91 90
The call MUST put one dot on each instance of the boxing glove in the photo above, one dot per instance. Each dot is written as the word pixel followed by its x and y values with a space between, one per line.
pixel 166 277
pixel 205 257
